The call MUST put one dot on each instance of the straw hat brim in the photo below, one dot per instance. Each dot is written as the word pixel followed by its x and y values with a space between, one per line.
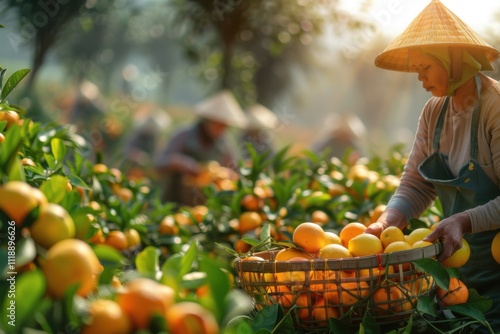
pixel 435 26
pixel 260 117
pixel 224 108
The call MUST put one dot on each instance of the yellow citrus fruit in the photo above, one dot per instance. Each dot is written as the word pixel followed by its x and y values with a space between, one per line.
pixel 365 244
pixel 100 168
pixel 457 293
pixel 309 236
pixel 106 316
pixel 52 225
pixel 294 277
pixel 332 238
pixel 248 221
pixel 69 262
pixel 125 194
pixel 199 212
pixel 334 251
pixel 350 231
pixel 18 199
pixel 397 246
pixel 377 211
pixel 391 234
pixel 418 234
pixel 421 243
pixel 10 116
pixel 133 237
pixel 188 317
pixel 249 276
pixel 117 240
pixel 141 298
pixel 83 222
pixel 459 258
pixel 495 247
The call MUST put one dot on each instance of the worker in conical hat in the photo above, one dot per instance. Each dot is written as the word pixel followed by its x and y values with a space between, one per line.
pixel 456 153
pixel 259 132
pixel 183 162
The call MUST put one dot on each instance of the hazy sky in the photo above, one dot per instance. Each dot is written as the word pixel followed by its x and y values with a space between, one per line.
pixel 394 15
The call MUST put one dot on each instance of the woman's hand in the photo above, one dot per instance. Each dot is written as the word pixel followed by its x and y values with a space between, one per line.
pixel 390 217
pixel 450 231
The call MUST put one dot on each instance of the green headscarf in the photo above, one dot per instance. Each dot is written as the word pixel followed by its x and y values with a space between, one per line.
pixel 470 64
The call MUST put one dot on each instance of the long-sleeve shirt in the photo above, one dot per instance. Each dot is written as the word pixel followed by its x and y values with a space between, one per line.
pixel 415 194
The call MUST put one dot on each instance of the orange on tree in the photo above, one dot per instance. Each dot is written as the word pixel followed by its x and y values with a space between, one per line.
pixel 495 247
pixel 248 221
pixel 18 199
pixel 351 230
pixel 457 293
pixel 10 116
pixel 252 202
pixel 98 237
pixel 241 246
pixel 319 217
pixel 391 234
pixel 199 212
pixel 133 237
pixel 106 316
pixel 365 244
pixel 188 317
pixel 377 212
pixel 141 298
pixel 309 236
pixel 168 226
pixel 69 262
pixel 459 258
pixel 52 225
pixel 117 240
pixel 100 168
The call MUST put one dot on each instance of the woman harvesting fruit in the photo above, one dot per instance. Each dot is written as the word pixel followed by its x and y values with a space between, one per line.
pixel 455 155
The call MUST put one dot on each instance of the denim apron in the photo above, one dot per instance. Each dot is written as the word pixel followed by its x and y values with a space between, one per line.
pixel 472 187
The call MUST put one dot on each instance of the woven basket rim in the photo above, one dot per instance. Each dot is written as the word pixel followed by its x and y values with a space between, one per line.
pixel 352 263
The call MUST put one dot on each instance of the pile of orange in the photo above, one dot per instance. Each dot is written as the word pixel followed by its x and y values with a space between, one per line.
pixel 320 294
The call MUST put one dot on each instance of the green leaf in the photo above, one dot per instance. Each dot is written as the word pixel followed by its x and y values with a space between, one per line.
pixel 426 305
pixel 55 188
pixel 469 311
pixel 58 149
pixel 188 259
pixel 109 256
pixel 2 74
pixel 12 82
pixel 10 147
pixel 436 270
pixel 265 232
pixel 482 303
pixel 29 290
pixel 266 318
pixel 369 324
pixel 147 261
pixel 218 282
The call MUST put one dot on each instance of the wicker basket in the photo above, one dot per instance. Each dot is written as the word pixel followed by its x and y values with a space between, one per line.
pixel 386 285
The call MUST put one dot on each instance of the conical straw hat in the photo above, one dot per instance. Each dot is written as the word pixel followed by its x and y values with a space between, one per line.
pixel 436 25
pixel 259 117
pixel 222 107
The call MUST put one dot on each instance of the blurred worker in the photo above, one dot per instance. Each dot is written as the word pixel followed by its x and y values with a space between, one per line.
pixel 182 163
pixel 342 132
pixel 259 132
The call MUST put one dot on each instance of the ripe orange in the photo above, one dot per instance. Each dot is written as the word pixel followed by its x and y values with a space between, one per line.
pixel 332 238
pixel 252 276
pixel 98 237
pixel 457 293
pixel 133 237
pixel 294 277
pixel 249 221
pixel 351 230
pixel 495 247
pixel 252 202
pixel 191 318
pixel 417 235
pixel 18 199
pixel 69 262
pixel 287 253
pixel 106 316
pixel 391 234
pixel 388 299
pixel 10 116
pixel 459 258
pixel 141 298
pixel 377 212
pixel 199 212
pixel 168 226
pixel 365 244
pixel 309 236
pixel 348 294
pixel 100 168
pixel 322 312
pixel 117 240
pixel 241 246
pixel 125 194
pixel 334 251
pixel 319 217
pixel 52 225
